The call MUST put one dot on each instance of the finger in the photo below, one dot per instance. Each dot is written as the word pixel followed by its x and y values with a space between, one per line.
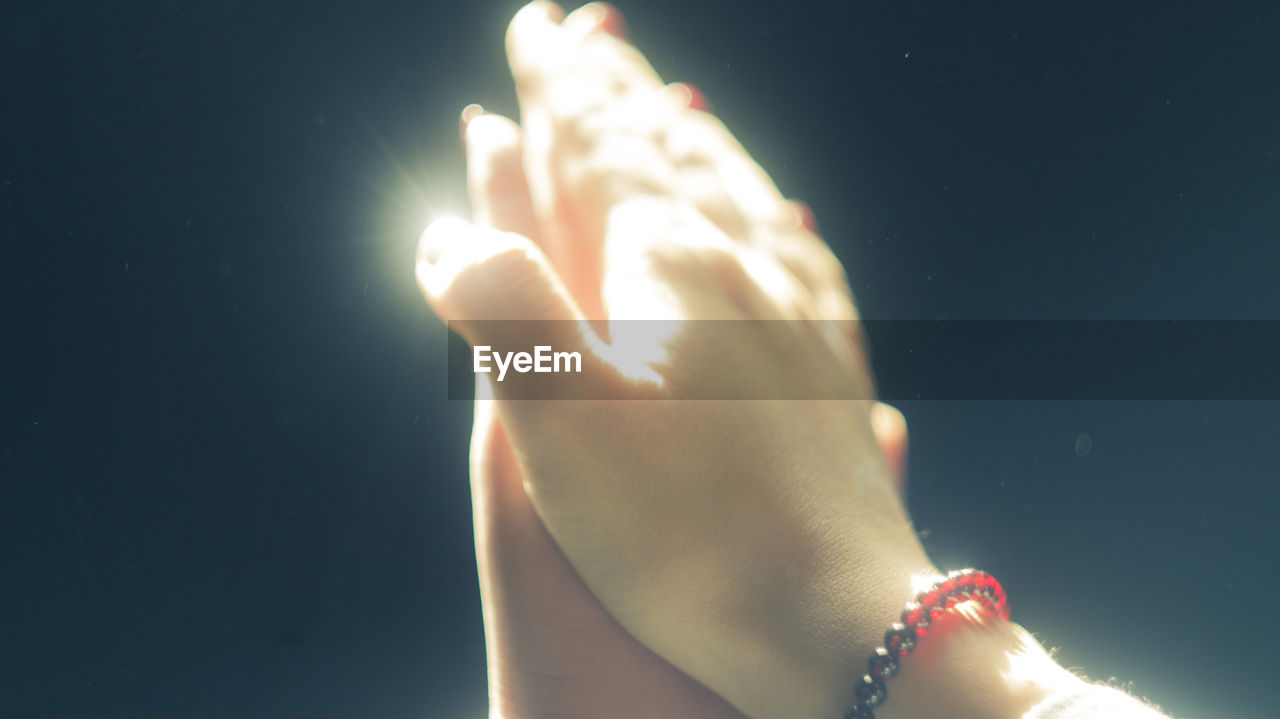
pixel 549 58
pixel 509 535
pixel 597 16
pixel 665 261
pixel 497 289
pixel 749 206
pixel 500 197
pixel 601 131
pixel 804 216
pixel 689 96
pixel 495 173
pixel 568 79
pixel 602 128
pixel 525 583
pixel 811 261
pixel 699 140
pixel 471 273
pixel 816 267
pixel 890 428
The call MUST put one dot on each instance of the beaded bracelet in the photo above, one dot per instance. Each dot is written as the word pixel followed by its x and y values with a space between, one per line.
pixel 960 586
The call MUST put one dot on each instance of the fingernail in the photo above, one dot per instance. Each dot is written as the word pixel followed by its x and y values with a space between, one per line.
pixel 543 10
pixel 697 99
pixel 437 238
pixel 804 215
pixel 596 16
pixel 469 113
pixel 612 21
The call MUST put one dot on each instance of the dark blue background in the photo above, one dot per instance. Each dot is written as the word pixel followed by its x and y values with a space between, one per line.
pixel 230 484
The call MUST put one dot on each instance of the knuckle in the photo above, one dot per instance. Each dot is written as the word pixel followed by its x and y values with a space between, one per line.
pixel 814 263
pixel 718 264
pixel 500 270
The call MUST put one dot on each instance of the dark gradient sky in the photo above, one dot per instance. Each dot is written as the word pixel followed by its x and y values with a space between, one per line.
pixel 230 484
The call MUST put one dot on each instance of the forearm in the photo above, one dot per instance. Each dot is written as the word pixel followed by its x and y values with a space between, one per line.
pixel 974 666
pixel 1092 701
pixel 970 665
pixel 805 641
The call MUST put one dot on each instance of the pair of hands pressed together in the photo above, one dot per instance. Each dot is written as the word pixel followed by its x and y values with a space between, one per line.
pixel 679 558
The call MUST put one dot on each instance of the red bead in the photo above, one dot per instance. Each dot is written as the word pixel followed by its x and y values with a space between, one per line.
pixel 912 615
pixel 916 618
pixel 959 586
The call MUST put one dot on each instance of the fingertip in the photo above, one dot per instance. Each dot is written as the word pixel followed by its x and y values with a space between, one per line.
pixel 542 10
pixel 529 23
pixel 889 418
pixel 614 23
pixel 469 113
pixel 689 96
pixel 804 216
pixel 438 237
pixel 470 262
pixel 448 247
pixel 890 428
pixel 487 131
pixel 596 16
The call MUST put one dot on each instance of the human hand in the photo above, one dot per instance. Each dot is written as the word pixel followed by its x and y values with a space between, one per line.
pixel 771 556
pixel 554 650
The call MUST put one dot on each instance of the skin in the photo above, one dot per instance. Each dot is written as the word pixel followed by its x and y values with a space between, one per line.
pixel 615 200
pixel 538 612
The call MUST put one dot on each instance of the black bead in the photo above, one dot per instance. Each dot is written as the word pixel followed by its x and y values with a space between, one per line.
pixel 859 712
pixel 882 664
pixel 899 639
pixel 870 692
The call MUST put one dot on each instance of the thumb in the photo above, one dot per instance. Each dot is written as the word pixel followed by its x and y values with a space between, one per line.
pixel 890 428
pixel 497 289
pixel 472 272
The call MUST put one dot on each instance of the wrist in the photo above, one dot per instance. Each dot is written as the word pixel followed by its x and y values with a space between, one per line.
pixel 974 666
pixel 970 665
pixel 801 655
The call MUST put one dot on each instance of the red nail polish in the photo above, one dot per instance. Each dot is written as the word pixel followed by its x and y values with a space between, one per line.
pixel 612 21
pixel 807 220
pixel 697 99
